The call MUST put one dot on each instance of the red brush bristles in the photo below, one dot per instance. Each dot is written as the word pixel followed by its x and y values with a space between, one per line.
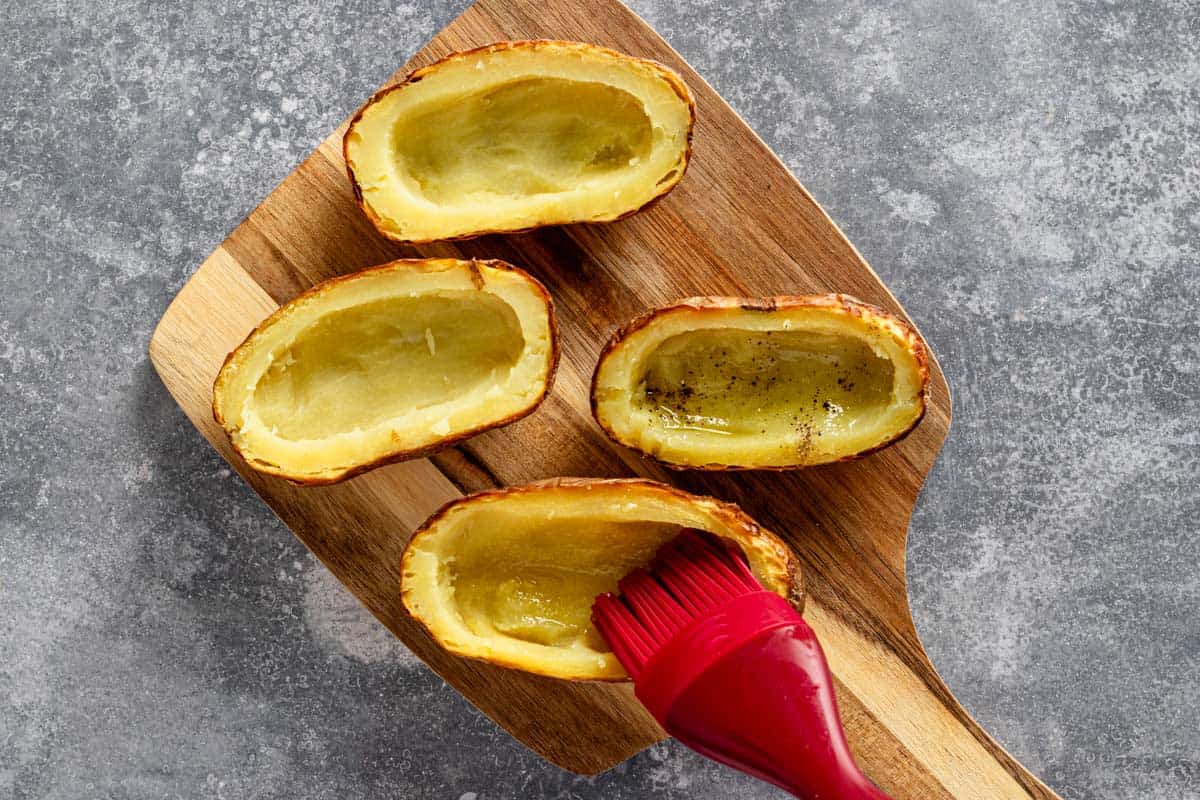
pixel 690 576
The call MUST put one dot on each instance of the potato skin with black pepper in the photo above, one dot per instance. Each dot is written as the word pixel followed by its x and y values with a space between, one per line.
pixel 718 383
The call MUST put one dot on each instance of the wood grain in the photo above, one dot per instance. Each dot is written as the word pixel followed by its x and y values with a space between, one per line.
pixel 738 224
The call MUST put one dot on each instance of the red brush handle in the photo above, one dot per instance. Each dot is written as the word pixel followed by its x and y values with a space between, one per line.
pixel 750 688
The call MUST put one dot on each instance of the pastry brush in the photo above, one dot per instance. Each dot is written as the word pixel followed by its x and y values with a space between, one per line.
pixel 731 670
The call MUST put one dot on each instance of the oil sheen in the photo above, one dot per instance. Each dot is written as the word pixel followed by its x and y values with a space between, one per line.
pixel 729 382
pixel 535 579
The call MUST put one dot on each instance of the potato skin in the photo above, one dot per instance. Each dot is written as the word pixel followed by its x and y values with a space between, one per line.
pixel 728 512
pixel 669 75
pixel 398 455
pixel 702 305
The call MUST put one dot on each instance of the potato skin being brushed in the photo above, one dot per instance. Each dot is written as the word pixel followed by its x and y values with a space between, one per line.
pixel 438 547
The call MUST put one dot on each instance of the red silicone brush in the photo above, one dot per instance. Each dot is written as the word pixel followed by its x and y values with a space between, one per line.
pixel 731 670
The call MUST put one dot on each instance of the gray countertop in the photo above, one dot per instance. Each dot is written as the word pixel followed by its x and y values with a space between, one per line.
pixel 1025 176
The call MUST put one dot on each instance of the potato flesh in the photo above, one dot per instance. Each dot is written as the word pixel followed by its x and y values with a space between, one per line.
pixel 526 137
pixel 535 580
pixel 727 382
pixel 509 576
pixel 362 365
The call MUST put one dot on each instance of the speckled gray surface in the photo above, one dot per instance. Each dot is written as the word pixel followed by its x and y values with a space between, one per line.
pixel 1024 175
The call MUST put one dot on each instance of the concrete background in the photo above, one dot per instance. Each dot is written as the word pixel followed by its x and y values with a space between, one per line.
pixel 1024 175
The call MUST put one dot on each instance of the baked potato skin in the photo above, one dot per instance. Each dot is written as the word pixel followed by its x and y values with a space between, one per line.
pixel 669 75
pixel 728 512
pixel 702 305
pixel 398 455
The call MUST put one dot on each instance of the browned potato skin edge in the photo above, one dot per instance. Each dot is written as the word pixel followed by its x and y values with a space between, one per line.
pixel 731 514
pixel 668 74
pixel 701 305
pixel 398 455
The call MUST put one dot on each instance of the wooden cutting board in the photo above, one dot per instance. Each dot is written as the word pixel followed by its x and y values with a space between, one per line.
pixel 738 224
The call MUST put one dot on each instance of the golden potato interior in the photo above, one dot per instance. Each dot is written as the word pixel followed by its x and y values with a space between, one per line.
pixel 387 364
pixel 359 366
pixel 764 383
pixel 510 576
pixel 535 580
pixel 799 381
pixel 518 135
pixel 527 137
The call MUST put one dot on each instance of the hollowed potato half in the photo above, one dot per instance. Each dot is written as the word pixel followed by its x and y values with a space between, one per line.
pixel 387 364
pixel 778 383
pixel 517 135
pixel 509 576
